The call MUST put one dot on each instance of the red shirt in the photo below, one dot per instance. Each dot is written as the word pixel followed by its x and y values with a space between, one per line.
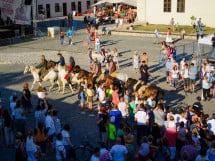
pixel 171 135
pixel 115 98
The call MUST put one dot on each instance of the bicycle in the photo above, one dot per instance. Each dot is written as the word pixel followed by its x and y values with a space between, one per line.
pixel 84 151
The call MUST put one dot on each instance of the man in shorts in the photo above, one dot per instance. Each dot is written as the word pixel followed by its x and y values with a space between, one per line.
pixel 192 75
pixel 168 69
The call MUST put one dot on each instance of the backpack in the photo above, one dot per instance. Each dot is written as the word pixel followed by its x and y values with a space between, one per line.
pixel 105 156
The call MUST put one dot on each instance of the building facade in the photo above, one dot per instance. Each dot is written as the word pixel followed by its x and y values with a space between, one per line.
pixel 161 11
pixel 58 8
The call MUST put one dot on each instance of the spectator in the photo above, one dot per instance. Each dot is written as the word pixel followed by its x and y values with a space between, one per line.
pixel 192 74
pixel 60 150
pixel 96 155
pixel 118 151
pixel 50 127
pixel 213 45
pixel 62 35
pixel 156 40
pixel 211 125
pixel 135 61
pixel 66 140
pixel 206 88
pixel 26 98
pixel 8 129
pixel 142 119
pixel 186 78
pixel 174 77
pixel 40 136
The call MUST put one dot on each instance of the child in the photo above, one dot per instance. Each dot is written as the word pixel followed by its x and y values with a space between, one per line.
pixel 82 99
pixel 90 94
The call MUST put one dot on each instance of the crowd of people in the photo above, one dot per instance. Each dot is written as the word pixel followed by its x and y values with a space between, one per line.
pixel 131 126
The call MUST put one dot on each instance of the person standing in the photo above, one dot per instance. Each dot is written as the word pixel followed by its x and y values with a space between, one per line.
pixel 186 77
pixel 116 57
pixel 199 23
pixel 174 76
pixel 156 32
pixel 97 45
pixel 172 24
pixel 142 119
pixel 50 127
pixel 206 88
pixel 213 45
pixel 82 99
pixel 192 73
pixel 26 98
pixel 60 149
pixel 135 61
pixel 118 151
pixel 66 140
pixel 169 36
pixel 62 38
pixel 69 34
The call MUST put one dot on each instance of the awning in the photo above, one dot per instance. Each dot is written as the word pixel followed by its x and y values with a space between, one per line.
pixel 129 2
pixel 206 40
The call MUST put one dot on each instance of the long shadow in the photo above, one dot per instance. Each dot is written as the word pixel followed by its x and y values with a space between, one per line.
pixel 123 52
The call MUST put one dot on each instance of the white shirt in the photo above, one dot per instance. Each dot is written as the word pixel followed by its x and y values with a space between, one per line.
pixel 186 73
pixel 118 152
pixel 141 117
pixel 59 147
pixel 41 95
pixel 50 124
pixel 211 126
pixel 97 41
pixel 65 135
pixel 123 108
pixel 30 146
pixel 174 74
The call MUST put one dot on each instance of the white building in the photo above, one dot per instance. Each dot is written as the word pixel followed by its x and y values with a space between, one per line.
pixel 161 11
pixel 58 8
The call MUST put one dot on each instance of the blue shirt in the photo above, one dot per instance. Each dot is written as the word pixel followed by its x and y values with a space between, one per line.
pixel 62 61
pixel 116 115
pixel 193 72
pixel 168 65
pixel 69 33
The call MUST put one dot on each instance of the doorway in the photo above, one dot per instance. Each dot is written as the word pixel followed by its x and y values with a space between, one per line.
pixel 79 7
pixel 64 9
pixel 48 11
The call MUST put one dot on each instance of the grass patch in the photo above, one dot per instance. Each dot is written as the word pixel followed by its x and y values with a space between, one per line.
pixel 163 28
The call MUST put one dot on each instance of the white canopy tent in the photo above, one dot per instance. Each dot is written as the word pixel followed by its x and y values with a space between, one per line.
pixel 202 42
pixel 129 2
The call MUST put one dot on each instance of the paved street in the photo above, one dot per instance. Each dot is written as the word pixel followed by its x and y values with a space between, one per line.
pixel 14 58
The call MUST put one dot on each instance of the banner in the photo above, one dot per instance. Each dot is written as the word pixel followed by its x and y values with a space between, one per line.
pixel 16 10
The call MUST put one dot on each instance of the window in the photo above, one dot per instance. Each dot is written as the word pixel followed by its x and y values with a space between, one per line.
pixel 73 6
pixel 40 9
pixel 57 7
pixel 95 1
pixel 167 6
pixel 180 5
pixel 88 4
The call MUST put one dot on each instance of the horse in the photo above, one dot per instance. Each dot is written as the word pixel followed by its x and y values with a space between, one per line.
pixel 62 72
pixel 50 75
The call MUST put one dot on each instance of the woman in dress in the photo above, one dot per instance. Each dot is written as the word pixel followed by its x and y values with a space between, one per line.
pixel 136 60
pixel 116 57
